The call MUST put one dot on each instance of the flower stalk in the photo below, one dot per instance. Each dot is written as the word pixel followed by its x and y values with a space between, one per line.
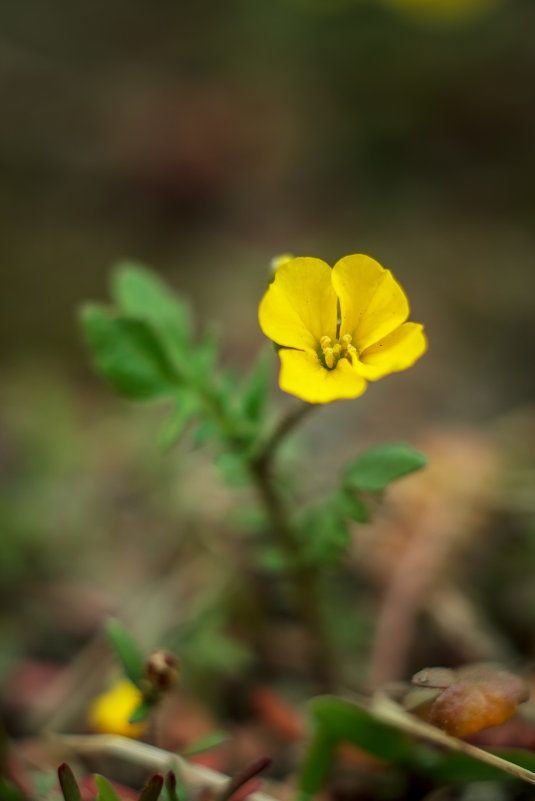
pixel 306 579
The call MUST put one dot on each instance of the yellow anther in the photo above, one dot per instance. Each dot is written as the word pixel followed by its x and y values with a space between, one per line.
pixel 329 357
pixel 332 353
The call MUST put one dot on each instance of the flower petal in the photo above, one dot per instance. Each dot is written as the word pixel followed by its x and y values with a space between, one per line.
pixel 302 374
pixel 397 351
pixel 300 306
pixel 371 301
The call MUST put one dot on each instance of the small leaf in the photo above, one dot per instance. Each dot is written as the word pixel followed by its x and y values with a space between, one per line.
pixel 346 721
pixel 127 650
pixel 140 293
pixel 351 507
pixel 249 519
pixel 233 469
pixel 175 787
pixel 10 792
pixel 206 743
pixel 374 469
pixel 128 355
pixel 153 788
pixel 206 354
pixel 256 393
pixel 204 431
pixel 141 712
pixel 272 559
pixel 387 731
pixel 317 764
pixel 187 406
pixel 324 534
pixel 170 787
pixel 68 784
pixel 105 790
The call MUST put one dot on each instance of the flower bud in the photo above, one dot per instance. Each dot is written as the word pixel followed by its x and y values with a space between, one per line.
pixel 161 671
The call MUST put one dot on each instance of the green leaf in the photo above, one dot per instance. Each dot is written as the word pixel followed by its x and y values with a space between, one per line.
pixel 204 432
pixel 140 293
pixel 232 467
pixel 403 740
pixel 205 354
pixel 256 392
pixel 374 469
pixel 153 788
pixel 346 721
pixel 317 764
pixel 187 406
pixel 324 534
pixel 249 519
pixel 351 507
pixel 460 768
pixel 128 355
pixel 272 559
pixel 206 743
pixel 105 790
pixel 172 792
pixel 68 784
pixel 142 712
pixel 127 650
pixel 10 792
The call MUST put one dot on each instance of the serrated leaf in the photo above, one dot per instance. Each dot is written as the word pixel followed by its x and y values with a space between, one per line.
pixel 206 743
pixel 376 468
pixel 127 650
pixel 153 788
pixel 140 293
pixel 128 355
pixel 105 789
pixel 68 784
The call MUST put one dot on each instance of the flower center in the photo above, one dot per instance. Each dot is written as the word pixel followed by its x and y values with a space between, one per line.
pixel 331 351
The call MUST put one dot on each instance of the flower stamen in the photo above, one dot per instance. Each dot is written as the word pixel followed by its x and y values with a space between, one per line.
pixel 329 357
pixel 350 351
pixel 331 353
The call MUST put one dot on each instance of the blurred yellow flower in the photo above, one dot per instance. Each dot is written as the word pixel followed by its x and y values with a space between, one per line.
pixel 338 328
pixel 443 10
pixel 109 713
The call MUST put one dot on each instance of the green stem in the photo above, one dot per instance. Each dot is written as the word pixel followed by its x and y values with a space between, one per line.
pixel 306 579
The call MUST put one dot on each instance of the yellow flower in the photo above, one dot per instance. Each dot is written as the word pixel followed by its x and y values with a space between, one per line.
pixel 109 713
pixel 338 328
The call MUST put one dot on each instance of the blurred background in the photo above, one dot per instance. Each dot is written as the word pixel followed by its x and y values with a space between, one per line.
pixel 202 139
